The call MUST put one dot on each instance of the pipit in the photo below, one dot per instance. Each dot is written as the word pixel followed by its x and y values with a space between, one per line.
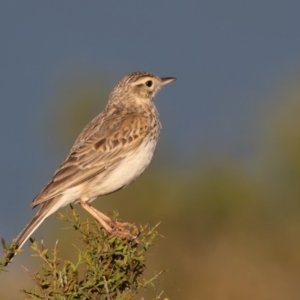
pixel 111 152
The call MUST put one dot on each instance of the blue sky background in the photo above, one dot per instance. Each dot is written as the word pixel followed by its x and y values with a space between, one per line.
pixel 230 57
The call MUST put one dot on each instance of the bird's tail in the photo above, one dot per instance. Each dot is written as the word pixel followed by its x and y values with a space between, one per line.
pixel 46 209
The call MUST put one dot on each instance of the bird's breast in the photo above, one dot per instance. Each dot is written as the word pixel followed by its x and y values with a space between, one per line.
pixel 124 173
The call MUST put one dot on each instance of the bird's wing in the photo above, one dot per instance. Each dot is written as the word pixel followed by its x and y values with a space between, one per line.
pixel 97 149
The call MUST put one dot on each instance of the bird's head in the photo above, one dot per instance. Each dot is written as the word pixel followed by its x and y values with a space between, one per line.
pixel 139 86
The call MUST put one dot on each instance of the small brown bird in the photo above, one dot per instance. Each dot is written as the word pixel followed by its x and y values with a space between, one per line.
pixel 110 153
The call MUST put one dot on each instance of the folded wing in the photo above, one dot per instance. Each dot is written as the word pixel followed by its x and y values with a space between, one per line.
pixel 98 148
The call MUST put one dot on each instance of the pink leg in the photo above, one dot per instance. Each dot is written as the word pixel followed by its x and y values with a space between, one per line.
pixel 113 227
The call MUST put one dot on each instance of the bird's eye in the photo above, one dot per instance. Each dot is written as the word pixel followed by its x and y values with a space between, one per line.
pixel 149 83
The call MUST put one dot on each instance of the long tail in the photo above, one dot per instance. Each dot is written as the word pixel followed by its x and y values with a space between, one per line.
pixel 45 210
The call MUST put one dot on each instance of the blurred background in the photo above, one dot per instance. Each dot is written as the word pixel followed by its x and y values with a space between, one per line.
pixel 225 180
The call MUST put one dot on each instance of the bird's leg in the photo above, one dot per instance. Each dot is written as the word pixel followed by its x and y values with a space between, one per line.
pixel 113 227
pixel 101 218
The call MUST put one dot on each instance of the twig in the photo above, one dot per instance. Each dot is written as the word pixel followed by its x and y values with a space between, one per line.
pixel 106 288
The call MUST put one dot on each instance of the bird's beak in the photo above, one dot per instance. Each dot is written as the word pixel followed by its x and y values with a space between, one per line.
pixel 166 80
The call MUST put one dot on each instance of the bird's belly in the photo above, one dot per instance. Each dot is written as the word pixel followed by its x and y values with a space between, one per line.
pixel 129 169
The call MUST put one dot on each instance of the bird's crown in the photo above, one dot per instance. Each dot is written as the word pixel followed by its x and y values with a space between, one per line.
pixel 142 85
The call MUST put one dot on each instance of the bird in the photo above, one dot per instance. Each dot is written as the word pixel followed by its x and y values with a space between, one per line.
pixel 111 152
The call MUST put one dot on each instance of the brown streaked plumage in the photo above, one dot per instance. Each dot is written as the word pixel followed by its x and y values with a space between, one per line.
pixel 110 153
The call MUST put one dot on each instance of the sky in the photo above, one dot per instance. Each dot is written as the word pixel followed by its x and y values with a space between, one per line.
pixel 230 59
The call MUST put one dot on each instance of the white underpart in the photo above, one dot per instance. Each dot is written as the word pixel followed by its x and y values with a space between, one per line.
pixel 129 169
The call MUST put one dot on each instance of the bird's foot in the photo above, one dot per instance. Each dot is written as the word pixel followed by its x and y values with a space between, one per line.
pixel 124 230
